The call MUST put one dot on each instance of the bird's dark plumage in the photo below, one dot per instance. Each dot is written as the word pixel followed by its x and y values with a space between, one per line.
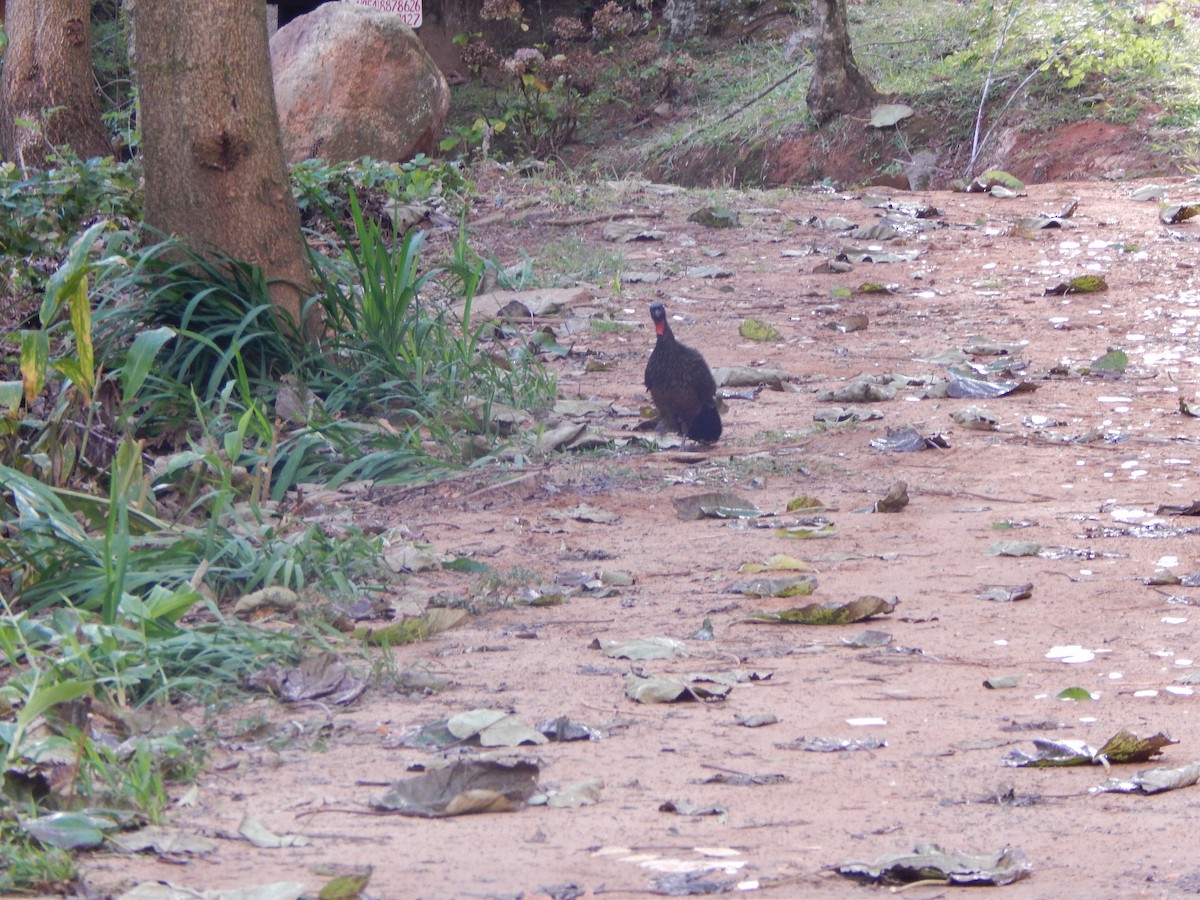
pixel 681 385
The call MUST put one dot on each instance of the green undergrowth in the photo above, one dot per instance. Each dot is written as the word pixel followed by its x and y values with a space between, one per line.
pixel 967 69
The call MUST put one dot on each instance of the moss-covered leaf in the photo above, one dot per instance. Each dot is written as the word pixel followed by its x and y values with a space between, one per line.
pixel 829 612
pixel 781 586
pixel 754 330
pixel 1084 284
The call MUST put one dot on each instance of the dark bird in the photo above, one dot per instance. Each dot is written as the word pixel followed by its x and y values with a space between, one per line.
pixel 681 385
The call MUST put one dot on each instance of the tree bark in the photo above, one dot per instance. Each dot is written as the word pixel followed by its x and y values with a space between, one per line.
pixel 838 86
pixel 47 78
pixel 211 150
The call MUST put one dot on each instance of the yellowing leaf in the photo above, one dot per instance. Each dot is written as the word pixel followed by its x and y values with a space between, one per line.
pixel 35 358
pixel 755 330
pixel 81 324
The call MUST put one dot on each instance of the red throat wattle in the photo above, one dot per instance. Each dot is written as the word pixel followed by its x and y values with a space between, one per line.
pixel 660 327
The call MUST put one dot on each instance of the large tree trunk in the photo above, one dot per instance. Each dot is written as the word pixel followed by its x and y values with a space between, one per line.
pixel 47 78
pixel 838 86
pixel 215 175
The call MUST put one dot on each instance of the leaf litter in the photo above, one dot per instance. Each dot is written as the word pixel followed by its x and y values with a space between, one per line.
pixel 929 862
pixel 829 613
pixel 684 565
pixel 463 787
pixel 1122 747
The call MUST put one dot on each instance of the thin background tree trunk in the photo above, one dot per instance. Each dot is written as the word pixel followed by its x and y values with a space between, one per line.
pixel 47 79
pixel 215 175
pixel 838 86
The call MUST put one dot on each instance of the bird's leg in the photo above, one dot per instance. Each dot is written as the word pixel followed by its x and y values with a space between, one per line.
pixel 683 437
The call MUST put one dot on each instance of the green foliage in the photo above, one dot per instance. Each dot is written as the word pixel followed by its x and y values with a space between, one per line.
pixel 57 389
pixel 941 54
pixel 145 444
pixel 322 187
pixel 114 77
pixel 219 309
pixel 51 758
pixel 1109 40
pixel 26 866
pixel 41 211
pixel 544 103
pixel 396 351
pixel 189 347
pixel 474 138
pixel 541 115
pixel 145 656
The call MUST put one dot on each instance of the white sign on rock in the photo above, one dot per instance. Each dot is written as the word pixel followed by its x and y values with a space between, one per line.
pixel 409 10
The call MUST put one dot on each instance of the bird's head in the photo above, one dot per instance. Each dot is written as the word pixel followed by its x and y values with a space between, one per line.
pixel 658 313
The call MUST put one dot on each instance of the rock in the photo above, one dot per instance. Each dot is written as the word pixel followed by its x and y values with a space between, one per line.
pixel 689 18
pixel 352 81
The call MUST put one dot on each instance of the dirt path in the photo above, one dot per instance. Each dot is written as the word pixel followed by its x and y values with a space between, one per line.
pixel 1091 504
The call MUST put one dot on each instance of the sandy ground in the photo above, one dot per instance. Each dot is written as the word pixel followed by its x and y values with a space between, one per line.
pixel 1080 465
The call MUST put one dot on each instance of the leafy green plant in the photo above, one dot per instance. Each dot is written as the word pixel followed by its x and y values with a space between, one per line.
pixel 474 138
pixel 219 308
pixel 323 188
pixel 48 417
pixel 58 665
pixel 401 352
pixel 41 210
pixel 542 114
pixel 1113 40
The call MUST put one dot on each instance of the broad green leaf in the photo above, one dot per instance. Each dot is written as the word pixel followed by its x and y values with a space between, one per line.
pixel 805 503
pixel 72 272
pixel 345 887
pixel 140 358
pixel 95 510
pixel 127 479
pixel 70 368
pixel 35 500
pixel 715 505
pixel 806 532
pixel 999 177
pixel 1014 548
pixel 70 831
pixel 1175 213
pixel 1083 284
pixel 1127 747
pixel 466 564
pixel 171 605
pixel 233 445
pixel 641 648
pixel 780 586
pixel 51 695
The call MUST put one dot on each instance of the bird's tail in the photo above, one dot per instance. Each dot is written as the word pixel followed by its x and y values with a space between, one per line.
pixel 706 426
